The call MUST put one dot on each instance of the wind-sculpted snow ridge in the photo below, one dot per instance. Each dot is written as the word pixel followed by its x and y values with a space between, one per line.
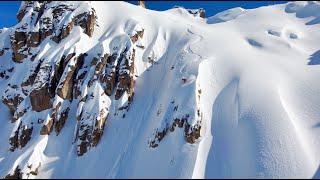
pixel 114 90
pixel 227 15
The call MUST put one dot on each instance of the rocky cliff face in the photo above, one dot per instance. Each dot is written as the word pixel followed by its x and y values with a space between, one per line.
pixel 52 87
pixel 110 89
pixel 38 22
pixel 95 80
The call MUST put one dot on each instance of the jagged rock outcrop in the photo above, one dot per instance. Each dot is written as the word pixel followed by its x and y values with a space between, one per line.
pixel 109 92
pixel 191 132
pixel 56 121
pixel 61 119
pixel 96 80
pixel 39 90
pixel 70 64
pixel 12 101
pixel 111 76
pixel 191 124
pixel 33 170
pixel 47 20
pixel 17 174
pixel 53 84
pixel 21 136
pixel 125 67
pixel 197 12
pixel 48 126
pixel 99 82
pixel 40 99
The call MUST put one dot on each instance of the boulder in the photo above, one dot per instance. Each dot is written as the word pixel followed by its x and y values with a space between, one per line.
pixel 40 99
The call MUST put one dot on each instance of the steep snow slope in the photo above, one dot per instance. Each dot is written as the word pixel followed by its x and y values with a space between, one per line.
pixel 233 95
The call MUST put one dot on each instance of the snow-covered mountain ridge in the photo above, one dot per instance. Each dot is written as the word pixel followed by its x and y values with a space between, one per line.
pixel 113 90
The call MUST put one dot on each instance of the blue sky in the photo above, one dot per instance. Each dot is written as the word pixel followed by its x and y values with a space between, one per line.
pixel 8 9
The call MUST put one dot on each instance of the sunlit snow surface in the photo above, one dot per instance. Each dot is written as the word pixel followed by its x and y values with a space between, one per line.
pixel 259 74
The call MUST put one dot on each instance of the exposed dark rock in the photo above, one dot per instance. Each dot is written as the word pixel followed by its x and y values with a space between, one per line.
pixel 14 140
pixel 17 57
pixel 23 39
pixel 85 140
pixel 63 118
pixel 26 6
pixel 110 79
pixel 20 15
pixel 197 12
pixel 115 73
pixel 25 136
pixel 18 114
pixel 81 73
pixel 32 77
pixel 98 129
pixel 18 42
pixel 11 69
pixel 137 35
pixel 17 174
pixel 65 88
pixel 65 31
pixel 87 22
pixel 33 39
pixel 40 99
pixel 191 133
pixel 89 136
pixel 126 74
pixel 12 103
pixel 34 171
pixel 21 137
pixel 2 74
pixel 47 128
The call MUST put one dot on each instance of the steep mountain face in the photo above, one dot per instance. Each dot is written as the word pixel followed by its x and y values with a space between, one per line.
pixel 113 90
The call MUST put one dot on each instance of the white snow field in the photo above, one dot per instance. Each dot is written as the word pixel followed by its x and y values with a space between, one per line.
pixel 259 75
